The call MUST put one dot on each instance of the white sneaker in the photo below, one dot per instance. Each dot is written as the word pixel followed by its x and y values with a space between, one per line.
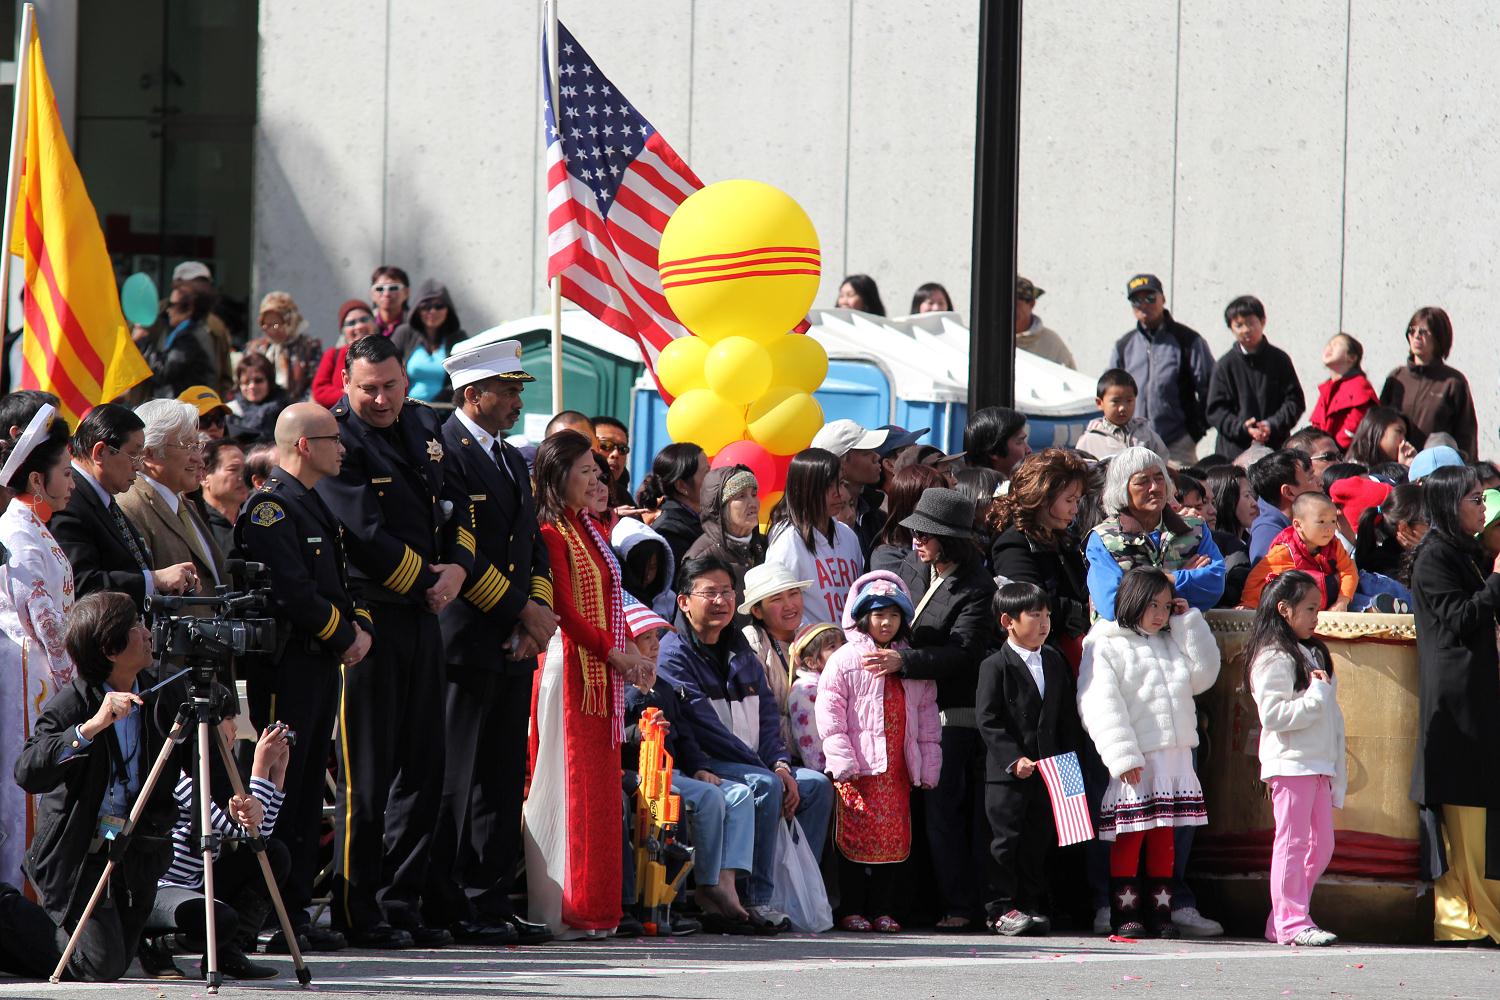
pixel 1194 924
pixel 1315 937
pixel 1101 920
pixel 763 914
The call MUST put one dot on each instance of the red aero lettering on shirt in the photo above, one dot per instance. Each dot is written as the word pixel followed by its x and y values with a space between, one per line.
pixel 835 577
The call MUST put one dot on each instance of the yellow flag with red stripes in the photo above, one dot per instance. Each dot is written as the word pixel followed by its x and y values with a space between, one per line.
pixel 76 343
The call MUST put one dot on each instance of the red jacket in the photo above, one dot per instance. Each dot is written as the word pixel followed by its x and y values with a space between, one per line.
pixel 1342 404
pixel 328 384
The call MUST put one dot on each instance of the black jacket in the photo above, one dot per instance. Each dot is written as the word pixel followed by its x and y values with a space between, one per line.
pixel 178 362
pixel 680 527
pixel 1015 721
pixel 91 540
pixel 72 791
pixel 510 559
pixel 1262 385
pixel 1458 749
pixel 952 634
pixel 290 529
pixel 681 743
pixel 389 496
pixel 1061 572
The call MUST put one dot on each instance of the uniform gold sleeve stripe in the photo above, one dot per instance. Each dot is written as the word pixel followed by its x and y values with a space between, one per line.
pixel 541 589
pixel 405 574
pixel 466 539
pixel 332 625
pixel 363 613
pixel 486 592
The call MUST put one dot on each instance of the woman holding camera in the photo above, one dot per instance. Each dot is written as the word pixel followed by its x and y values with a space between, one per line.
pixel 88 757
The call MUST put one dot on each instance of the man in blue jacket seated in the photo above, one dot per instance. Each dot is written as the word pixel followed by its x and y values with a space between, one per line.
pixel 737 722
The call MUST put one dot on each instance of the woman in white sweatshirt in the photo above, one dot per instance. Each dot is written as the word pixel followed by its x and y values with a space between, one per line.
pixel 1290 676
pixel 810 542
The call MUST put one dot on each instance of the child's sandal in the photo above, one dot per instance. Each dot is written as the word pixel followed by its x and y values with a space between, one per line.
pixel 887 925
pixel 854 922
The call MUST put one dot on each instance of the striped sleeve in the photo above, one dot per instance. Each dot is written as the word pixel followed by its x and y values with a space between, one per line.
pixel 271 798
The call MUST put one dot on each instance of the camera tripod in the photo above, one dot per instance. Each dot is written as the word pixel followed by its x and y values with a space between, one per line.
pixel 201 709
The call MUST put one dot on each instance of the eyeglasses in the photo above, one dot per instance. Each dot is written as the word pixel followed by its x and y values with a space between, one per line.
pixel 320 437
pixel 431 307
pixel 713 596
pixel 357 321
pixel 919 536
pixel 387 289
pixel 1477 499
pixel 1145 298
pixel 190 448
pixel 1327 456
pixel 608 446
pixel 136 460
pixel 275 324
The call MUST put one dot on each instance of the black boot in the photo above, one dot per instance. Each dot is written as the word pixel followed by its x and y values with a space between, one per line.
pixel 1125 908
pixel 1158 909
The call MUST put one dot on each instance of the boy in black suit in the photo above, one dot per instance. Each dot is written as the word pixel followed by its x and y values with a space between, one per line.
pixel 1027 711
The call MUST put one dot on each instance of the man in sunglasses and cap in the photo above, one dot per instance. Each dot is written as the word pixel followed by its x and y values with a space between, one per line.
pixel 1172 366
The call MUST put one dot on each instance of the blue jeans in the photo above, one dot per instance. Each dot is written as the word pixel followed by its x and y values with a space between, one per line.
pixel 813 812
pixel 721 819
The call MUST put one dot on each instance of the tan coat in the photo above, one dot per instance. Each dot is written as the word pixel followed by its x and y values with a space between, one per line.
pixel 165 534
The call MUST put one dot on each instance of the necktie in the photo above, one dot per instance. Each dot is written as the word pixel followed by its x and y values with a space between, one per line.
pixel 499 456
pixel 194 541
pixel 129 533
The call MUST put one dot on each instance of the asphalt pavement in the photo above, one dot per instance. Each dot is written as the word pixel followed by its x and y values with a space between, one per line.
pixel 865 966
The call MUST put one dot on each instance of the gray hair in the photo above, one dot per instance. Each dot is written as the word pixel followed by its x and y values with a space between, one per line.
pixel 167 420
pixel 1122 468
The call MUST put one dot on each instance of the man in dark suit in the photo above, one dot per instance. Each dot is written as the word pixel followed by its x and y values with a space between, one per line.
pixel 1026 711
pixel 491 638
pixel 106 550
pixel 412 549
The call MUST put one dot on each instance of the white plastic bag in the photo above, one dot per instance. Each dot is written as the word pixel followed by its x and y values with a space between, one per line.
pixel 799 891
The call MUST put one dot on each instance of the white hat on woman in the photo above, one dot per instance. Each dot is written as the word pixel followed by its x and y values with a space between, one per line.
pixel 768 580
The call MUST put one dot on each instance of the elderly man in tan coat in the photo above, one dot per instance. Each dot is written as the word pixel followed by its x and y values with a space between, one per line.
pixel 155 502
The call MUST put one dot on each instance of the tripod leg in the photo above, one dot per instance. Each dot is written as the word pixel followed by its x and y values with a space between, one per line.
pixel 304 975
pixel 135 814
pixel 206 830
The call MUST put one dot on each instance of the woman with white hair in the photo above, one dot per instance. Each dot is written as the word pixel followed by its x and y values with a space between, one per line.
pixel 1142 529
pixel 172 466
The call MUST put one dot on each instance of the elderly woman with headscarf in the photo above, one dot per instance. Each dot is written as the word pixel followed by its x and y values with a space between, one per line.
pixel 729 510
pixel 1143 530
pixel 293 352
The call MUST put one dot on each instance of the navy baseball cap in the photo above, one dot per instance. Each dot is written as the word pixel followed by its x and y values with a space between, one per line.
pixel 1143 283
pixel 898 438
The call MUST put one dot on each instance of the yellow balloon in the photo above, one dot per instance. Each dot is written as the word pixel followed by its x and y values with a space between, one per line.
pixel 705 418
pixel 798 361
pixel 738 369
pixel 680 365
pixel 767 504
pixel 784 420
pixel 739 259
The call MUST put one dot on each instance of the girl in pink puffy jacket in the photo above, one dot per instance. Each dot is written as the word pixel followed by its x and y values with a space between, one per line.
pixel 880 737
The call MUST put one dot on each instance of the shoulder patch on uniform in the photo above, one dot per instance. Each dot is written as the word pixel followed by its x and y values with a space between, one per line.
pixel 266 513
pixel 418 402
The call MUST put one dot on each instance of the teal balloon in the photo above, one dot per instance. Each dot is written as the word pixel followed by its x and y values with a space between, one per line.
pixel 139 299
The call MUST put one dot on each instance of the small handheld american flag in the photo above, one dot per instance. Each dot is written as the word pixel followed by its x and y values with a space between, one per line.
pixel 1070 807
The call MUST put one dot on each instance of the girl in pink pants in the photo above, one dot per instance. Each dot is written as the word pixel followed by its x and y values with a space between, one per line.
pixel 1290 675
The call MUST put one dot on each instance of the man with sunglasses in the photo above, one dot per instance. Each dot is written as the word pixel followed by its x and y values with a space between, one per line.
pixel 1172 365
pixel 614 444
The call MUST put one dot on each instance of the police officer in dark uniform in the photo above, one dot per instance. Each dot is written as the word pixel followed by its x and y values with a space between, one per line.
pixel 413 550
pixel 491 637
pixel 323 628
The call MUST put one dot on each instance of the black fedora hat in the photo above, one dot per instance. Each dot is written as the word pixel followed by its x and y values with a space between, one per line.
pixel 941 511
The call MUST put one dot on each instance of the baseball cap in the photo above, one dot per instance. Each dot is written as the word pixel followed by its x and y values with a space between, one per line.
pixel 205 399
pixel 190 269
pixel 844 436
pixel 1429 460
pixel 1027 291
pixel 1143 283
pixel 898 438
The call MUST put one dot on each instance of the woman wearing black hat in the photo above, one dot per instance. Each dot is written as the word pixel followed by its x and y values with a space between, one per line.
pixel 951 633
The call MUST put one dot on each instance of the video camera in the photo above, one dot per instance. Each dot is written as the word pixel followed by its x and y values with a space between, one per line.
pixel 234 621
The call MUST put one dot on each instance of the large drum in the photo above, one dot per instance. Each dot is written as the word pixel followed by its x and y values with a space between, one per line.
pixel 1372 891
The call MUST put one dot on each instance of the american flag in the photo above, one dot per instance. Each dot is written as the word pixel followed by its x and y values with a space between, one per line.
pixel 1070 808
pixel 612 184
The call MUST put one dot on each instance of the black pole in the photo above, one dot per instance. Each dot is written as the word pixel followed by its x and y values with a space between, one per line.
pixel 997 133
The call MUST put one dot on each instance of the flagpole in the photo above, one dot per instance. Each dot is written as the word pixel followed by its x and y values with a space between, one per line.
pixel 13 174
pixel 553 77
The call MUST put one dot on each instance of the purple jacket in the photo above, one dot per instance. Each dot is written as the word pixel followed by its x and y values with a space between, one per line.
pixel 851 717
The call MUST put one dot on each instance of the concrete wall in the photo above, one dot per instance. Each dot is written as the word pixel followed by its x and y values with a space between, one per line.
pixel 1334 158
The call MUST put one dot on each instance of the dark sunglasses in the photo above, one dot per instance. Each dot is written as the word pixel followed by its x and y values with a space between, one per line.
pixel 1143 299
pixel 608 446
pixel 428 307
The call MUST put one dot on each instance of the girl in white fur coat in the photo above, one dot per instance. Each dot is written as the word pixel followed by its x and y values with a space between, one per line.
pixel 1136 684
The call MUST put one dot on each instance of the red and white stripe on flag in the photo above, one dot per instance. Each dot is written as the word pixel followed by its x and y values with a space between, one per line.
pixel 1070 808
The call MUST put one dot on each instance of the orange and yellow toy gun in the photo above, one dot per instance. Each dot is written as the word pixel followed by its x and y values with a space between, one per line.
pixel 657 813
